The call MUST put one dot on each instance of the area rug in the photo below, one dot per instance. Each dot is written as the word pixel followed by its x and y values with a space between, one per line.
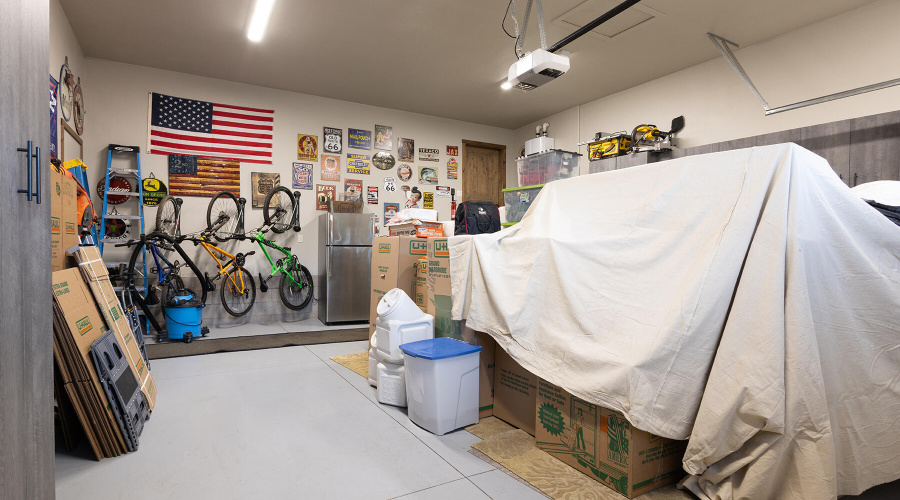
pixel 358 362
pixel 516 451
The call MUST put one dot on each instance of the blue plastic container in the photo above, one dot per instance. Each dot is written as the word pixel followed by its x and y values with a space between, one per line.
pixel 184 315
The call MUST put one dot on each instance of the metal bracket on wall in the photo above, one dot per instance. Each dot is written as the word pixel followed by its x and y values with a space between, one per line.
pixel 724 47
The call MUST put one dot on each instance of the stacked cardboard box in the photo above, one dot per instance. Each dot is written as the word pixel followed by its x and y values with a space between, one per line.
pixel 94 272
pixel 421 297
pixel 515 392
pixel 486 374
pixel 63 215
pixel 439 296
pixel 77 324
pixel 602 444
pixel 84 308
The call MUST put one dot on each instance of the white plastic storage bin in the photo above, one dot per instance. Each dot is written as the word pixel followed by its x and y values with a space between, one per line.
pixel 391 384
pixel 442 383
pixel 399 321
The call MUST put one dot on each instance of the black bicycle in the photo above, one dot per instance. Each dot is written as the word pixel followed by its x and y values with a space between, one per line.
pixel 281 209
pixel 225 217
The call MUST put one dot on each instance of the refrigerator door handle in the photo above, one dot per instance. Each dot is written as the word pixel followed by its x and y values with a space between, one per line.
pixel 330 261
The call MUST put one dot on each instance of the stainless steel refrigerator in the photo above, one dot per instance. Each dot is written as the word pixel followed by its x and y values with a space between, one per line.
pixel 345 267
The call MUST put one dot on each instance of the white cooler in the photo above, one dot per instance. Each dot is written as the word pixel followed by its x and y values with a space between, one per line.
pixel 442 383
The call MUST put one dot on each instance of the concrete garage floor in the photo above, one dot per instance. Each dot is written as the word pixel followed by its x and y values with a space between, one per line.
pixel 281 423
pixel 288 423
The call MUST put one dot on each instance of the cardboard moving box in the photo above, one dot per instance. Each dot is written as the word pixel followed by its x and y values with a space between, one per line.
pixel 602 444
pixel 485 374
pixel 63 223
pixel 515 392
pixel 392 267
pixel 94 272
pixel 421 297
pixel 77 323
pixel 439 296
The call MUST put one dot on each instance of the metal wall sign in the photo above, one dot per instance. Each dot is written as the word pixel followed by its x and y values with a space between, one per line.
pixel 443 191
pixel 429 200
pixel 331 168
pixel 359 139
pixel 307 147
pixel 452 150
pixel 372 195
pixel 357 164
pixel 153 191
pixel 404 172
pixel 302 175
pixel 406 150
pixel 426 154
pixel 383 160
pixel 452 169
pixel 428 175
pixel 332 140
pixel 384 137
pixel 390 185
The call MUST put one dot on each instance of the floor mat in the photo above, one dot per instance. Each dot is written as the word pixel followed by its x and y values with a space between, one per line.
pixel 358 362
pixel 249 343
pixel 515 450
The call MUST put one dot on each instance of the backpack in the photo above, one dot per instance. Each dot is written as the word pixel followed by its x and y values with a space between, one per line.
pixel 477 217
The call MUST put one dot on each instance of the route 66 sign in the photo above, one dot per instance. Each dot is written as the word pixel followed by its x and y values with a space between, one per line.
pixel 390 186
pixel 332 141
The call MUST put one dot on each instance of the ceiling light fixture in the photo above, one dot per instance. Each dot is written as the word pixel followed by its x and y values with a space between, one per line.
pixel 260 18
pixel 506 85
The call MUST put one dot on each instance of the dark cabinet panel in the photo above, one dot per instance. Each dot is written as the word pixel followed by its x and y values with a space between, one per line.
pixel 26 335
pixel 832 142
pixel 875 148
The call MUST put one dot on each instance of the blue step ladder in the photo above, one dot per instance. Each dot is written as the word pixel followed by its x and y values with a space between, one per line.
pixel 121 154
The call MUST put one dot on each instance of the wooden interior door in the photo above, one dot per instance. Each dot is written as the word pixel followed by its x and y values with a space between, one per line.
pixel 483 172
pixel 26 331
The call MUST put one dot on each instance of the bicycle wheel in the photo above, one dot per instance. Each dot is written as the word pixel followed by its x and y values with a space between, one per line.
pixel 170 287
pixel 238 292
pixel 278 209
pixel 222 216
pixel 296 296
pixel 167 217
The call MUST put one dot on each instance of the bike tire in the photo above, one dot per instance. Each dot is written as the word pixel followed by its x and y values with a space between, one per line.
pixel 223 203
pixel 278 209
pixel 174 285
pixel 238 308
pixel 168 214
pixel 292 297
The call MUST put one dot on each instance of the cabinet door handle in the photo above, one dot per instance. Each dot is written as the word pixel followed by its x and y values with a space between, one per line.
pixel 855 176
pixel 27 191
pixel 37 175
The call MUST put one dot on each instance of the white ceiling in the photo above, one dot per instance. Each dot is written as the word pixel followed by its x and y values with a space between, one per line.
pixel 442 58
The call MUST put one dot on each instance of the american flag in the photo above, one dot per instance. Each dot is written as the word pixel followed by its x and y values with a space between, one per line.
pixel 200 128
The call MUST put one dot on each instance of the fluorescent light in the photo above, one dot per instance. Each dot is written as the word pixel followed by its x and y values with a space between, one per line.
pixel 506 85
pixel 259 20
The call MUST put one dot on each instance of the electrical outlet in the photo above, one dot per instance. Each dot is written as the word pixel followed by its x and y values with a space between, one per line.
pixel 299 238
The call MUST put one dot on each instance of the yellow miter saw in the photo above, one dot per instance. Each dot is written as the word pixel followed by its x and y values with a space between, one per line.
pixel 650 138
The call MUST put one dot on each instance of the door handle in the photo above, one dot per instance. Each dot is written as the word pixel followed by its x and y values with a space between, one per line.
pixel 330 262
pixel 855 176
pixel 27 191
pixel 37 175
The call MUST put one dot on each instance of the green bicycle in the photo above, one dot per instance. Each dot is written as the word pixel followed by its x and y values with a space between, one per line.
pixel 296 287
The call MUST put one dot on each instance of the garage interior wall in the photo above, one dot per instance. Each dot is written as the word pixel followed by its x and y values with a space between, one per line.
pixel 840 53
pixel 64 44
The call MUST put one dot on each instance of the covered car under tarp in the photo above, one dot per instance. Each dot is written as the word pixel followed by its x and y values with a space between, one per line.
pixel 746 301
